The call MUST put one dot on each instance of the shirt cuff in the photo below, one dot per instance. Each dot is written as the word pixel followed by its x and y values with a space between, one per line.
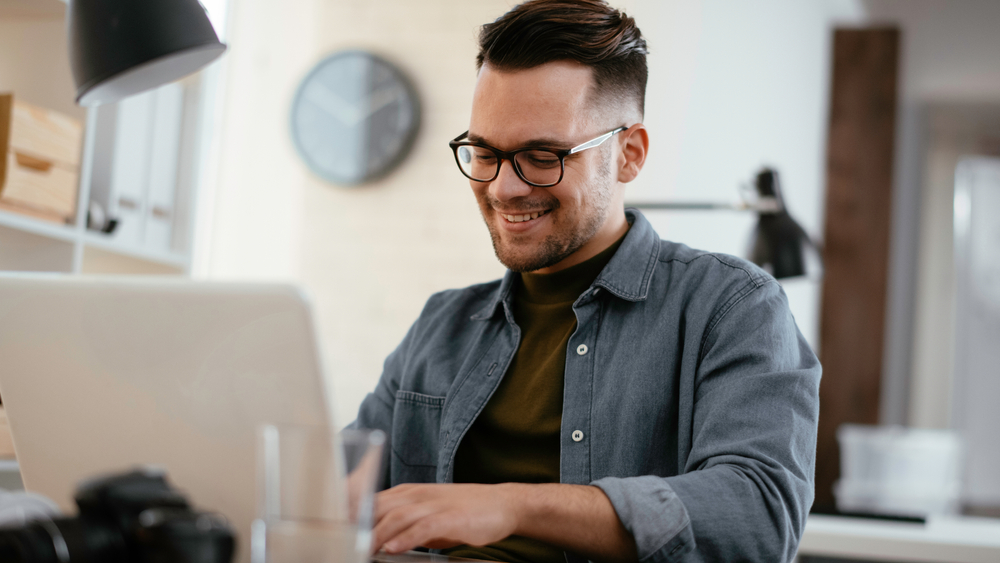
pixel 655 516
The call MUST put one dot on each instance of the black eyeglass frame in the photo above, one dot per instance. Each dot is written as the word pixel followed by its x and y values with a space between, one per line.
pixel 457 142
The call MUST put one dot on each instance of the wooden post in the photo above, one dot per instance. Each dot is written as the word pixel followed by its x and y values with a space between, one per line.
pixel 856 245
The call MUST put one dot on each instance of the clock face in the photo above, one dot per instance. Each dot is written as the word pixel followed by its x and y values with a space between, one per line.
pixel 354 117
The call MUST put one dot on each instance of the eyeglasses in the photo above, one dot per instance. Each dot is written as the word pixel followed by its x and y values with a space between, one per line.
pixel 538 167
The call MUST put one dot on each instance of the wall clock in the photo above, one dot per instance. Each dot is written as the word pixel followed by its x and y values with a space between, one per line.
pixel 354 117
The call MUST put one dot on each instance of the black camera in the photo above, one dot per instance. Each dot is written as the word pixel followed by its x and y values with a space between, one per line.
pixel 135 517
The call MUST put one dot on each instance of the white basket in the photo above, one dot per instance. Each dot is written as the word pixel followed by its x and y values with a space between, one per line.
pixel 898 470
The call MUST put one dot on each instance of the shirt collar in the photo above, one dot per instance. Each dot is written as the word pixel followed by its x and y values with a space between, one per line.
pixel 627 275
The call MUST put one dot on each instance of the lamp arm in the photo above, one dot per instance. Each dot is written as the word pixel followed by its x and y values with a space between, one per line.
pixel 762 205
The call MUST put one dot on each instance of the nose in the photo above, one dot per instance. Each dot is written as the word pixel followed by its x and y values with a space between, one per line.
pixel 507 185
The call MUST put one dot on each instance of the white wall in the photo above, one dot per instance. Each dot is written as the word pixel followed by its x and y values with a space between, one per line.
pixel 733 86
pixel 259 184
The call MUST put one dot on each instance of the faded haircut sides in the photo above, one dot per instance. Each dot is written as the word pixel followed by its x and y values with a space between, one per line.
pixel 589 32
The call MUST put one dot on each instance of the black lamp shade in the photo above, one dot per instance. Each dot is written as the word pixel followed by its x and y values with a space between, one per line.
pixel 779 244
pixel 119 48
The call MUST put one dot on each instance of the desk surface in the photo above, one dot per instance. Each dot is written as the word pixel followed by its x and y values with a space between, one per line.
pixel 958 539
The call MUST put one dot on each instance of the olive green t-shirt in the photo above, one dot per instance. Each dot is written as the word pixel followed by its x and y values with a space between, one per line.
pixel 516 437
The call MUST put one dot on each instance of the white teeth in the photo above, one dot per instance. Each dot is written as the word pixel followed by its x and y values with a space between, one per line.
pixel 523 218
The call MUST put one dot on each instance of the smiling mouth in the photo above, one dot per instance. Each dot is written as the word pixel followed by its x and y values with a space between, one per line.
pixel 523 218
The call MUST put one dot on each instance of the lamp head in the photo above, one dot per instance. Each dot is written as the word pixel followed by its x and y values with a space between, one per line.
pixel 123 47
pixel 779 244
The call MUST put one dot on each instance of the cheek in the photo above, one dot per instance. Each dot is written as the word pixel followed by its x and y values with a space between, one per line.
pixel 479 190
pixel 570 194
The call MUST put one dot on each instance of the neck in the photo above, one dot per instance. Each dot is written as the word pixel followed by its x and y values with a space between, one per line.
pixel 613 229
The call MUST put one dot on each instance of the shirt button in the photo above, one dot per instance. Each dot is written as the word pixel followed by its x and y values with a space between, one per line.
pixel 577 435
pixel 581 349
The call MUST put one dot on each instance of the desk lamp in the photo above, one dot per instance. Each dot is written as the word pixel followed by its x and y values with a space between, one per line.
pixel 118 48
pixel 778 244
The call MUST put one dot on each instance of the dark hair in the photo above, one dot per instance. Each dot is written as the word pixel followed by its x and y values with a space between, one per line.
pixel 587 31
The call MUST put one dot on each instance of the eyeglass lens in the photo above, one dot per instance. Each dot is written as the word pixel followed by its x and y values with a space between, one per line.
pixel 536 166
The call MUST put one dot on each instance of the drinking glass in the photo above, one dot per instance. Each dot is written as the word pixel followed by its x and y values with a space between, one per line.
pixel 316 492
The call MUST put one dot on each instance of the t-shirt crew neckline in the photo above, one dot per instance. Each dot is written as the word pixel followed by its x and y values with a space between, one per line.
pixel 565 285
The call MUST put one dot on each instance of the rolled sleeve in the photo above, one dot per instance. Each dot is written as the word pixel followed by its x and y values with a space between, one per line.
pixel 652 512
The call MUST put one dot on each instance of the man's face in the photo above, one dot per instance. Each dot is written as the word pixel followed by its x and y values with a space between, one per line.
pixel 550 106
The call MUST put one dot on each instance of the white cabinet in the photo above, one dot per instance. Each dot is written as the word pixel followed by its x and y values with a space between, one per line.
pixel 163 163
pixel 140 191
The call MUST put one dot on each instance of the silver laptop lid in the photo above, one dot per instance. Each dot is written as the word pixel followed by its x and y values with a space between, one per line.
pixel 98 375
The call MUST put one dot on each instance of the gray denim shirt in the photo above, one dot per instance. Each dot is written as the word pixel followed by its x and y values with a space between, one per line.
pixel 691 398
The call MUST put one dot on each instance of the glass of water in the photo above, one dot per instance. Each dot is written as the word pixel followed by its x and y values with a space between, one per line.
pixel 316 493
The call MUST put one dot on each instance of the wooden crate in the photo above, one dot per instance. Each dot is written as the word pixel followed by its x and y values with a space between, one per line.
pixel 39 160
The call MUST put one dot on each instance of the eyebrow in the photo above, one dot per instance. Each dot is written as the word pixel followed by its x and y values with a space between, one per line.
pixel 540 142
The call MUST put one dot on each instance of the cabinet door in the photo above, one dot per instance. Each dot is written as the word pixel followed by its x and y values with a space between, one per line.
pixel 144 167
pixel 166 133
pixel 130 167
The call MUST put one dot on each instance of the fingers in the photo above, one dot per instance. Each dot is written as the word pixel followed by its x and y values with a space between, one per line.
pixel 441 515
pixel 436 531
pixel 391 499
pixel 397 517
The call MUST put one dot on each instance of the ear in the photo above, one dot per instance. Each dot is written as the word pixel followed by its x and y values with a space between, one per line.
pixel 635 145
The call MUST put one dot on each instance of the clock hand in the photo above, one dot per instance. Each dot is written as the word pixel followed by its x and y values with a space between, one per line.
pixel 332 104
pixel 380 99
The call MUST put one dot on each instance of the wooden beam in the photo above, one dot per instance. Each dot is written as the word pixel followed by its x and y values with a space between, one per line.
pixel 856 245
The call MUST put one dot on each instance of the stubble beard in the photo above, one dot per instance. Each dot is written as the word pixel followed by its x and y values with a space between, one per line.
pixel 568 238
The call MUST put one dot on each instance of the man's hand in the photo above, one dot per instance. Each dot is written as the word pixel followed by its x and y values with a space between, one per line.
pixel 577 518
pixel 442 516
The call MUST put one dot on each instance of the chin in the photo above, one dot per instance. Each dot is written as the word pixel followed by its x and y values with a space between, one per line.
pixel 542 254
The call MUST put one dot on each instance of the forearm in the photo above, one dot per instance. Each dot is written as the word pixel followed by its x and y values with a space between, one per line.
pixel 577 518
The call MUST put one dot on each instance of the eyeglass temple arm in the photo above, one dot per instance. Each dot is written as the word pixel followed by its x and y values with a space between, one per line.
pixel 595 142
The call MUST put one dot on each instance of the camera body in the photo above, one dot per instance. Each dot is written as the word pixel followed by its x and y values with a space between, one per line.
pixel 134 517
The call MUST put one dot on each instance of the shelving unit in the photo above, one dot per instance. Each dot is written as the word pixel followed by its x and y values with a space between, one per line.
pixel 139 160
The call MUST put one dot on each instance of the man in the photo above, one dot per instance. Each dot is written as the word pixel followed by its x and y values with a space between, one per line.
pixel 614 397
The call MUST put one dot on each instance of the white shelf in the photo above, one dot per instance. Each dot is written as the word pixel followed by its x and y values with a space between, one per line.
pixel 107 244
pixel 959 539
pixel 64 233
pixel 69 234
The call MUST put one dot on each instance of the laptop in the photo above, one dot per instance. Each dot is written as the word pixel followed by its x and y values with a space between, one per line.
pixel 99 375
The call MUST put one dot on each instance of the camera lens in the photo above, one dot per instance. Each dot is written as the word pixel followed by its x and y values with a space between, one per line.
pixel 31 544
pixel 61 541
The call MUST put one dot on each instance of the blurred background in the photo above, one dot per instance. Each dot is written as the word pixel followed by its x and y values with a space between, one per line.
pixel 868 109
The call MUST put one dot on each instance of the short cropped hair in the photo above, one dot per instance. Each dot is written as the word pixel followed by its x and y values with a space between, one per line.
pixel 587 31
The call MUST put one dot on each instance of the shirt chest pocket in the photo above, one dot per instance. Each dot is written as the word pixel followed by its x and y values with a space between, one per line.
pixel 416 423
